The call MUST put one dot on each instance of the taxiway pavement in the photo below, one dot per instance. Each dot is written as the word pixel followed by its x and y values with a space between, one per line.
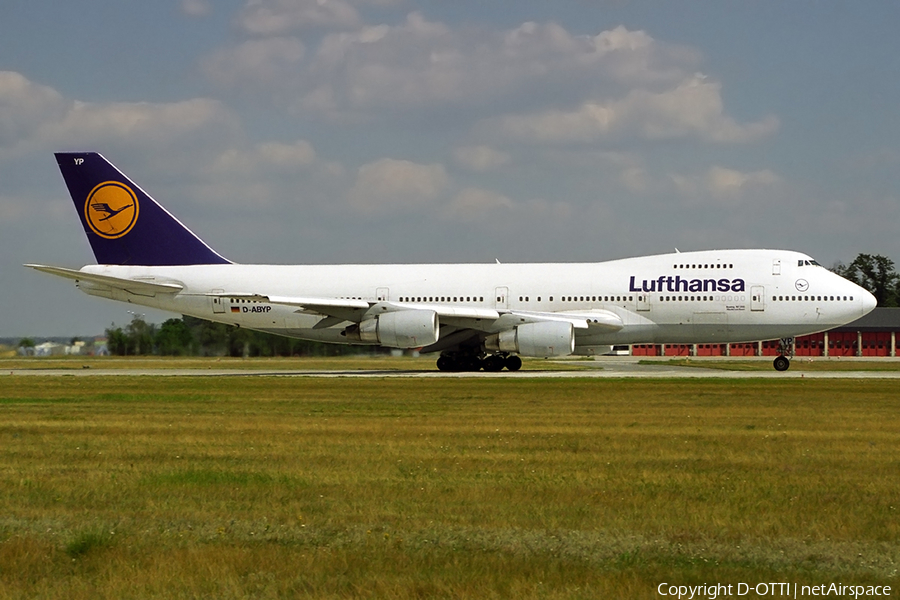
pixel 603 367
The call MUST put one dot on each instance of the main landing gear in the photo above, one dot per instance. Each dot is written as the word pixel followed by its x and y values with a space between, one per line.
pixel 785 353
pixel 460 361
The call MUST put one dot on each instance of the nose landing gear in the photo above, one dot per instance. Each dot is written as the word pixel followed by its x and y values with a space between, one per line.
pixel 782 362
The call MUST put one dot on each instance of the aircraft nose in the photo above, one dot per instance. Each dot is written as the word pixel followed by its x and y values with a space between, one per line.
pixel 868 302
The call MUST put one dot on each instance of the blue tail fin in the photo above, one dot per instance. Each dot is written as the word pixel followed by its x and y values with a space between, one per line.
pixel 124 225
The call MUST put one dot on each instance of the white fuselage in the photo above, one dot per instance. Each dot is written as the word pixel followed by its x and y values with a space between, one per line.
pixel 690 297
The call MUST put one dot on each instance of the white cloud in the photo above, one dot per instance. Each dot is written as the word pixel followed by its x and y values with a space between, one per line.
pixel 34 117
pixel 481 158
pixel 196 8
pixel 285 178
pixel 267 156
pixel 617 83
pixel 692 109
pixel 379 3
pixel 472 204
pixel 426 65
pixel 142 122
pixel 279 17
pixel 586 124
pixel 501 214
pixel 636 180
pixel 25 106
pixel 389 184
pixel 730 183
pixel 269 62
pixel 721 186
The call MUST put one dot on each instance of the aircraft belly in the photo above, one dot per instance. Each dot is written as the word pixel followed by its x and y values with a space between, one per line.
pixel 711 326
pixel 330 335
pixel 630 334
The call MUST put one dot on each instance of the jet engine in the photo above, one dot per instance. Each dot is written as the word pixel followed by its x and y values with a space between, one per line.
pixel 401 329
pixel 544 339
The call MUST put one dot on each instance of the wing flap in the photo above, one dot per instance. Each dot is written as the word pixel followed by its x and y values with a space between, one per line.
pixel 444 310
pixel 599 319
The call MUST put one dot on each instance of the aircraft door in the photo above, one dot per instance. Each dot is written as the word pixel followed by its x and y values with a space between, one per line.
pixel 218 303
pixel 501 295
pixel 643 301
pixel 382 294
pixel 757 297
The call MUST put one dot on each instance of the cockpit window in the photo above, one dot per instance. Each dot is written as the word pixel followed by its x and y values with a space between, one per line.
pixel 807 263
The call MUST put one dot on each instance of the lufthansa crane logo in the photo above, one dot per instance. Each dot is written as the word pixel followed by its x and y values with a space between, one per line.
pixel 111 209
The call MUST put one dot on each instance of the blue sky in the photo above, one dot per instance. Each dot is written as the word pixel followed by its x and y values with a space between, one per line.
pixel 368 131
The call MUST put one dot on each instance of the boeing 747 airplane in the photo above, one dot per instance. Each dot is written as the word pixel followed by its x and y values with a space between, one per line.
pixel 476 316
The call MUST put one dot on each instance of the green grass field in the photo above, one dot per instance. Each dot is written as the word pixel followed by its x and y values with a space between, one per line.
pixel 269 487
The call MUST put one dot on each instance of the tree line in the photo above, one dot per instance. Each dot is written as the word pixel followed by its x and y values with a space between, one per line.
pixel 190 336
pixel 875 273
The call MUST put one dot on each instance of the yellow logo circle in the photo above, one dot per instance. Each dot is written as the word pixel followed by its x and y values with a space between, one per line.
pixel 111 209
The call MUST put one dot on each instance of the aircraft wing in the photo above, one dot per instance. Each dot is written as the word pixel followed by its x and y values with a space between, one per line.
pixel 140 287
pixel 320 305
pixel 352 309
pixel 462 317
pixel 596 319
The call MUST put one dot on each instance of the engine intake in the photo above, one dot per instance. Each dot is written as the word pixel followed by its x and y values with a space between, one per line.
pixel 401 329
pixel 545 339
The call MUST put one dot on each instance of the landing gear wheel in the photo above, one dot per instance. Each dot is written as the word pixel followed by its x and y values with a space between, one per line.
pixel 493 363
pixel 459 362
pixel 513 363
pixel 781 363
pixel 471 363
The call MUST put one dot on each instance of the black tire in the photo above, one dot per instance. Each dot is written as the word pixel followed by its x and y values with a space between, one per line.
pixel 781 363
pixel 493 364
pixel 473 364
pixel 513 363
pixel 445 363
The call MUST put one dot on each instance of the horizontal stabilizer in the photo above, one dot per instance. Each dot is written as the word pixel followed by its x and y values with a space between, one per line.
pixel 141 287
